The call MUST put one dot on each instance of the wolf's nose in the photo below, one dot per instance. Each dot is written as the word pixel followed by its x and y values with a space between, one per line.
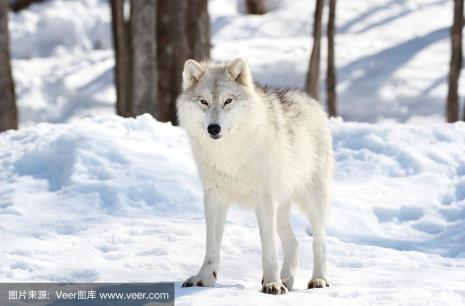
pixel 214 129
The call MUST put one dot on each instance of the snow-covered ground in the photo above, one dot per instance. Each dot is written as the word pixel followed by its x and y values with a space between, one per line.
pixel 63 61
pixel 112 199
pixel 107 199
pixel 392 55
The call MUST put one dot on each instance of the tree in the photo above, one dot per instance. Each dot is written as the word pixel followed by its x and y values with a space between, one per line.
pixel 331 69
pixel 455 63
pixel 150 50
pixel 198 29
pixel 312 86
pixel 144 57
pixel 173 51
pixel 182 33
pixel 122 59
pixel 17 5
pixel 256 7
pixel 8 112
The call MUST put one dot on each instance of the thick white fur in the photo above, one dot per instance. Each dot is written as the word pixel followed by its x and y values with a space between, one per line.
pixel 272 152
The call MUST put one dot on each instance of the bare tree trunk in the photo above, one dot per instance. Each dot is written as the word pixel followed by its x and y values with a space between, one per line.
pixel 255 7
pixel 122 59
pixel 173 50
pixel 151 52
pixel 455 62
pixel 198 29
pixel 312 86
pixel 331 69
pixel 144 57
pixel 8 113
pixel 18 5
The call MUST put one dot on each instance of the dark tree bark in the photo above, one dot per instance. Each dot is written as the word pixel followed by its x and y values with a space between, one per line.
pixel 8 113
pixel 198 29
pixel 331 69
pixel 173 51
pixel 122 59
pixel 455 63
pixel 18 5
pixel 151 51
pixel 312 85
pixel 144 57
pixel 255 7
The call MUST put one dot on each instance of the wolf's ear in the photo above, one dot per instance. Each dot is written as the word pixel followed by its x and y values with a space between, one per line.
pixel 239 70
pixel 192 73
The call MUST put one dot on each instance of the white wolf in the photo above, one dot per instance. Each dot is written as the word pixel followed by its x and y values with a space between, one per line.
pixel 261 147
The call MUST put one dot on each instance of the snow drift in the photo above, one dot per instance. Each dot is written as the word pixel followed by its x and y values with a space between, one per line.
pixel 113 199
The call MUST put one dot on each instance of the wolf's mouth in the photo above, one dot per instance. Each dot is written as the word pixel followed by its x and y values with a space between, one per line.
pixel 215 136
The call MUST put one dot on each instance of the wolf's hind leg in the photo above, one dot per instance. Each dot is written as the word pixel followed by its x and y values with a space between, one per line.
pixel 289 244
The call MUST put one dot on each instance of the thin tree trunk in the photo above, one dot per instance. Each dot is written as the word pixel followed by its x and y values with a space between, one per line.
pixel 312 86
pixel 121 48
pixel 173 50
pixel 18 5
pixel 331 69
pixel 8 113
pixel 198 29
pixel 256 7
pixel 144 57
pixel 455 62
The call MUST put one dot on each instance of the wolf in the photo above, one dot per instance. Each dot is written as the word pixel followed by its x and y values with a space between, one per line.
pixel 264 148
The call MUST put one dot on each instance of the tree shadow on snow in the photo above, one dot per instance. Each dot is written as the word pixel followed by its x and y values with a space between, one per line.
pixel 366 77
pixel 346 27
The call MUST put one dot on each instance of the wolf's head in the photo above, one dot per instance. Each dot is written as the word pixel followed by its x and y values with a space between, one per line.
pixel 215 98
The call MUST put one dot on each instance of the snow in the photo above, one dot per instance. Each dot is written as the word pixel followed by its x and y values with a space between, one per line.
pixel 392 56
pixel 420 169
pixel 108 199
pixel 63 66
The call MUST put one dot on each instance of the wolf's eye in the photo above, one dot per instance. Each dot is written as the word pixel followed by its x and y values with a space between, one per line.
pixel 204 102
pixel 227 101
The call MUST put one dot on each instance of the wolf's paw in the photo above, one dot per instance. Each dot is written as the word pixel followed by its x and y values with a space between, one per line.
pixel 317 283
pixel 288 282
pixel 200 281
pixel 274 288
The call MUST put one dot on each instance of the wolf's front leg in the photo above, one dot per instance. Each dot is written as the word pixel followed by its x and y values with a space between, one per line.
pixel 266 217
pixel 215 215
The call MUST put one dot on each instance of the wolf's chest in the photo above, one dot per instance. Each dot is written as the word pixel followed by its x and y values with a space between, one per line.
pixel 234 179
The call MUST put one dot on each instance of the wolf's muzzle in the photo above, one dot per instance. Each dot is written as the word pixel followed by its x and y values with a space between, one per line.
pixel 214 130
